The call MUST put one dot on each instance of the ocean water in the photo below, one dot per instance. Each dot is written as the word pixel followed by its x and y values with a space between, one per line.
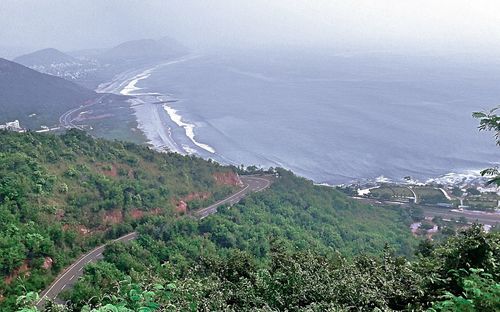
pixel 332 118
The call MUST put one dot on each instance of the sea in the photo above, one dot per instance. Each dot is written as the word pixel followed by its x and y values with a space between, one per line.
pixel 335 118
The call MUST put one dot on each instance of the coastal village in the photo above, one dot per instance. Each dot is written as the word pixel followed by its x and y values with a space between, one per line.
pixel 15 126
pixel 12 126
pixel 439 207
pixel 467 195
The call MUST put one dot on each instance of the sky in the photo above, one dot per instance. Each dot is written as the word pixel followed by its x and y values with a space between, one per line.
pixel 439 25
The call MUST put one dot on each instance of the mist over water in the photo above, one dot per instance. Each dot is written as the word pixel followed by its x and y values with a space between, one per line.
pixel 259 92
pixel 336 118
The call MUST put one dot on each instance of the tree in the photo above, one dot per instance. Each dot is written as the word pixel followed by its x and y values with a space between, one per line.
pixel 490 121
pixel 473 191
pixel 480 293
pixel 456 192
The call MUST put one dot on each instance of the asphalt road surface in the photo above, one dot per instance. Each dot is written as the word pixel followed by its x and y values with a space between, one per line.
pixel 66 119
pixel 71 274
pixel 251 184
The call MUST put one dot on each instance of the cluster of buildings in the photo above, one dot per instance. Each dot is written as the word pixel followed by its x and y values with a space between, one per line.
pixel 12 126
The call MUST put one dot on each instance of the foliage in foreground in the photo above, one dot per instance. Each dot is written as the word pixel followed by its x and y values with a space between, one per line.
pixel 461 274
pixel 490 121
pixel 190 268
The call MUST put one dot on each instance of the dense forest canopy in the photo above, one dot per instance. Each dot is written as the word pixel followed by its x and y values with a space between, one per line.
pixel 459 275
pixel 61 195
pixel 293 247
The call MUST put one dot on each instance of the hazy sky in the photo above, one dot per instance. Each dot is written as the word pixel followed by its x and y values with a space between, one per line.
pixel 367 24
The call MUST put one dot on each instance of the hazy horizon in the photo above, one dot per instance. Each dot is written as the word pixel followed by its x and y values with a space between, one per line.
pixel 322 64
pixel 387 25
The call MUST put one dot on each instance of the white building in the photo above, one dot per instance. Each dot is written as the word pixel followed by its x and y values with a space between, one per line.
pixel 12 126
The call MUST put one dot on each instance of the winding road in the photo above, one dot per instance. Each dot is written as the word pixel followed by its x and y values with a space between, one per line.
pixel 70 275
pixel 66 119
pixel 251 184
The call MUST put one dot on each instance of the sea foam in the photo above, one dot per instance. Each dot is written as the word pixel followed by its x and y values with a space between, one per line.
pixel 131 86
pixel 188 128
pixel 131 89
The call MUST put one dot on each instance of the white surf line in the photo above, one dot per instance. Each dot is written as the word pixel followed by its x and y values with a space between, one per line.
pixel 168 139
pixel 188 128
pixel 112 86
pixel 149 122
pixel 131 88
pixel 131 82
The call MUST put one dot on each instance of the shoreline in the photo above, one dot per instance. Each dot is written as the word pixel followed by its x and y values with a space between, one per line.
pixel 158 133
pixel 188 127
pixel 166 129
pixel 450 178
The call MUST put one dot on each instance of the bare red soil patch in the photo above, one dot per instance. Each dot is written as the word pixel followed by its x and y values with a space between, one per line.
pixel 136 214
pixel 227 178
pixel 181 207
pixel 196 196
pixel 23 269
pixel 114 216
pixel 109 170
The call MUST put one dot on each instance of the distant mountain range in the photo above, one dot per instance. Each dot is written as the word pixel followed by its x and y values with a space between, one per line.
pixel 32 91
pixel 45 57
pixel 144 49
pixel 84 71
pixel 91 67
pixel 35 98
pixel 10 52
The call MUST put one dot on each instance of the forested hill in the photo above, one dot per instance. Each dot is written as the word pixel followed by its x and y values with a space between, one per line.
pixel 293 247
pixel 61 195
pixel 37 99
pixel 45 57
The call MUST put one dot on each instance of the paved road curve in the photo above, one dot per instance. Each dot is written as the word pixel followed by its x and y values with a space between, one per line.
pixel 66 119
pixel 251 184
pixel 71 274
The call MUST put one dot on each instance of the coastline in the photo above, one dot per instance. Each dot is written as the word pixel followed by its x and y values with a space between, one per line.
pixel 150 109
pixel 161 119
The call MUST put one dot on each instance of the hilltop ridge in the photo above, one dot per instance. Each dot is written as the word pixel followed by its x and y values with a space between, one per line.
pixel 35 98
pixel 45 57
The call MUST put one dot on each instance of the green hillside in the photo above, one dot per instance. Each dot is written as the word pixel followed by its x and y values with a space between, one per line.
pixel 61 195
pixel 292 247
pixel 461 274
pixel 37 99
